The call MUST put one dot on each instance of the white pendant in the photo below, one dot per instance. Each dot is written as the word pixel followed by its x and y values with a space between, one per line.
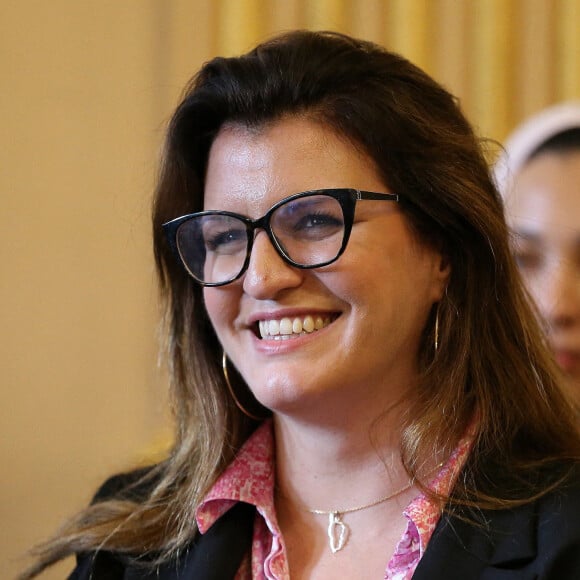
pixel 337 532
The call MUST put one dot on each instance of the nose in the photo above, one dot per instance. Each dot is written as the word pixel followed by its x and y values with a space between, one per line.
pixel 559 299
pixel 268 274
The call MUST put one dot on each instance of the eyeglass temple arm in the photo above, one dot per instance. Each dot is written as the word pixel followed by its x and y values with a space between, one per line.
pixel 372 196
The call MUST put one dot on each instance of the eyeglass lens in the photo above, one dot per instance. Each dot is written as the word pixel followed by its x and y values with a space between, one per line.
pixel 308 231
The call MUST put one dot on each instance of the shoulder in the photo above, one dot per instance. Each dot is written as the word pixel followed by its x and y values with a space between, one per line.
pixel 216 554
pixel 558 523
pixel 539 539
pixel 133 485
pixel 545 534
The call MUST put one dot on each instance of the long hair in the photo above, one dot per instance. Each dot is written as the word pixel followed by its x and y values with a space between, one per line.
pixel 492 362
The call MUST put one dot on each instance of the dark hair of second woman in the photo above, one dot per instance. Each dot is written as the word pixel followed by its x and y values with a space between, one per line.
pixel 490 369
pixel 563 142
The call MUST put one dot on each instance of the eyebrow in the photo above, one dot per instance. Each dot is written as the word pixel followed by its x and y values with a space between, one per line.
pixel 533 237
pixel 528 235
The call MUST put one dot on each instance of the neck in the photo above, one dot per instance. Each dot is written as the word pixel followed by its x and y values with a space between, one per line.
pixel 330 468
pixel 340 487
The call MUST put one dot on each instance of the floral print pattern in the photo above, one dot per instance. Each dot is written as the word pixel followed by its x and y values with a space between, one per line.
pixel 251 478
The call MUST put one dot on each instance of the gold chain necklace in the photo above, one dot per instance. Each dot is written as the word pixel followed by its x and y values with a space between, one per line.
pixel 339 532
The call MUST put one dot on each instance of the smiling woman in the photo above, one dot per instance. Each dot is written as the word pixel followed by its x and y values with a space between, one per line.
pixel 290 155
pixel 348 387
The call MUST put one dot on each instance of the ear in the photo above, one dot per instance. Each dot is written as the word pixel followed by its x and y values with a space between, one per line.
pixel 442 272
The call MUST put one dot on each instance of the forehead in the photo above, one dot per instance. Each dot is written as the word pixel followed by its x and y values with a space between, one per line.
pixel 546 195
pixel 251 169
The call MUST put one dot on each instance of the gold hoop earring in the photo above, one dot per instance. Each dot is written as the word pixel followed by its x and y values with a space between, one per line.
pixel 436 339
pixel 231 390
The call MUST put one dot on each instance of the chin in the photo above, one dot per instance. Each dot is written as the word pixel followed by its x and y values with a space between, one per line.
pixel 284 396
pixel 277 397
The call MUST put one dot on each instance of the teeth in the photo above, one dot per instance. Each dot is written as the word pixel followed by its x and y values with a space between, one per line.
pixel 273 327
pixel 308 324
pixel 286 327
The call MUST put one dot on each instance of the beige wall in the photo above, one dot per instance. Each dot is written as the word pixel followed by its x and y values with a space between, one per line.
pixel 86 87
pixel 81 114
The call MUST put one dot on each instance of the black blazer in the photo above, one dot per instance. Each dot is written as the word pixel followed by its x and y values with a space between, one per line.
pixel 537 541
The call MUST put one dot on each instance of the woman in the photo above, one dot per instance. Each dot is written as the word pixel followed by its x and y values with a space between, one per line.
pixel 539 174
pixel 361 390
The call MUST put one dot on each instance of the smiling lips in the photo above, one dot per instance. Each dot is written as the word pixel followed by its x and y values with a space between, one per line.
pixel 285 328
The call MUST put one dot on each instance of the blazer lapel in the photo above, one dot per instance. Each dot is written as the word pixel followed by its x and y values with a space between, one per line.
pixel 215 555
pixel 503 539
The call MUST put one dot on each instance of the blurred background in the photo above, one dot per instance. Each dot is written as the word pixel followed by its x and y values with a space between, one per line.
pixel 87 88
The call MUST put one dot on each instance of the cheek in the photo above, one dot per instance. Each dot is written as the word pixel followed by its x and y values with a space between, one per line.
pixel 537 282
pixel 532 278
pixel 533 287
pixel 218 305
pixel 346 281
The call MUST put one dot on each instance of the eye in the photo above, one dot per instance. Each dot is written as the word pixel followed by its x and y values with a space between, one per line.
pixel 223 234
pixel 226 242
pixel 317 225
pixel 314 217
pixel 528 260
pixel 528 251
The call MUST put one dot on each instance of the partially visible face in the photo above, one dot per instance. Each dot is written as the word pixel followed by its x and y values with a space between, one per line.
pixel 370 306
pixel 545 214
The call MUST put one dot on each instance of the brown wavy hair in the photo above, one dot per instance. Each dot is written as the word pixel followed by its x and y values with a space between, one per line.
pixel 492 361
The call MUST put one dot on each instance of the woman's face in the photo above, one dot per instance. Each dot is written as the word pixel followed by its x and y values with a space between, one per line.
pixel 545 214
pixel 371 304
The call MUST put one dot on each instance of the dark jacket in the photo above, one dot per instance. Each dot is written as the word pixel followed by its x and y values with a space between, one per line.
pixel 540 540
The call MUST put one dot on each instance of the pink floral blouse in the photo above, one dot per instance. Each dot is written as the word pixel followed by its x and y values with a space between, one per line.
pixel 251 477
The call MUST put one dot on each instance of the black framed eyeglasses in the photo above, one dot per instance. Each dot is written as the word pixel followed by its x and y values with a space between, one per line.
pixel 308 230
